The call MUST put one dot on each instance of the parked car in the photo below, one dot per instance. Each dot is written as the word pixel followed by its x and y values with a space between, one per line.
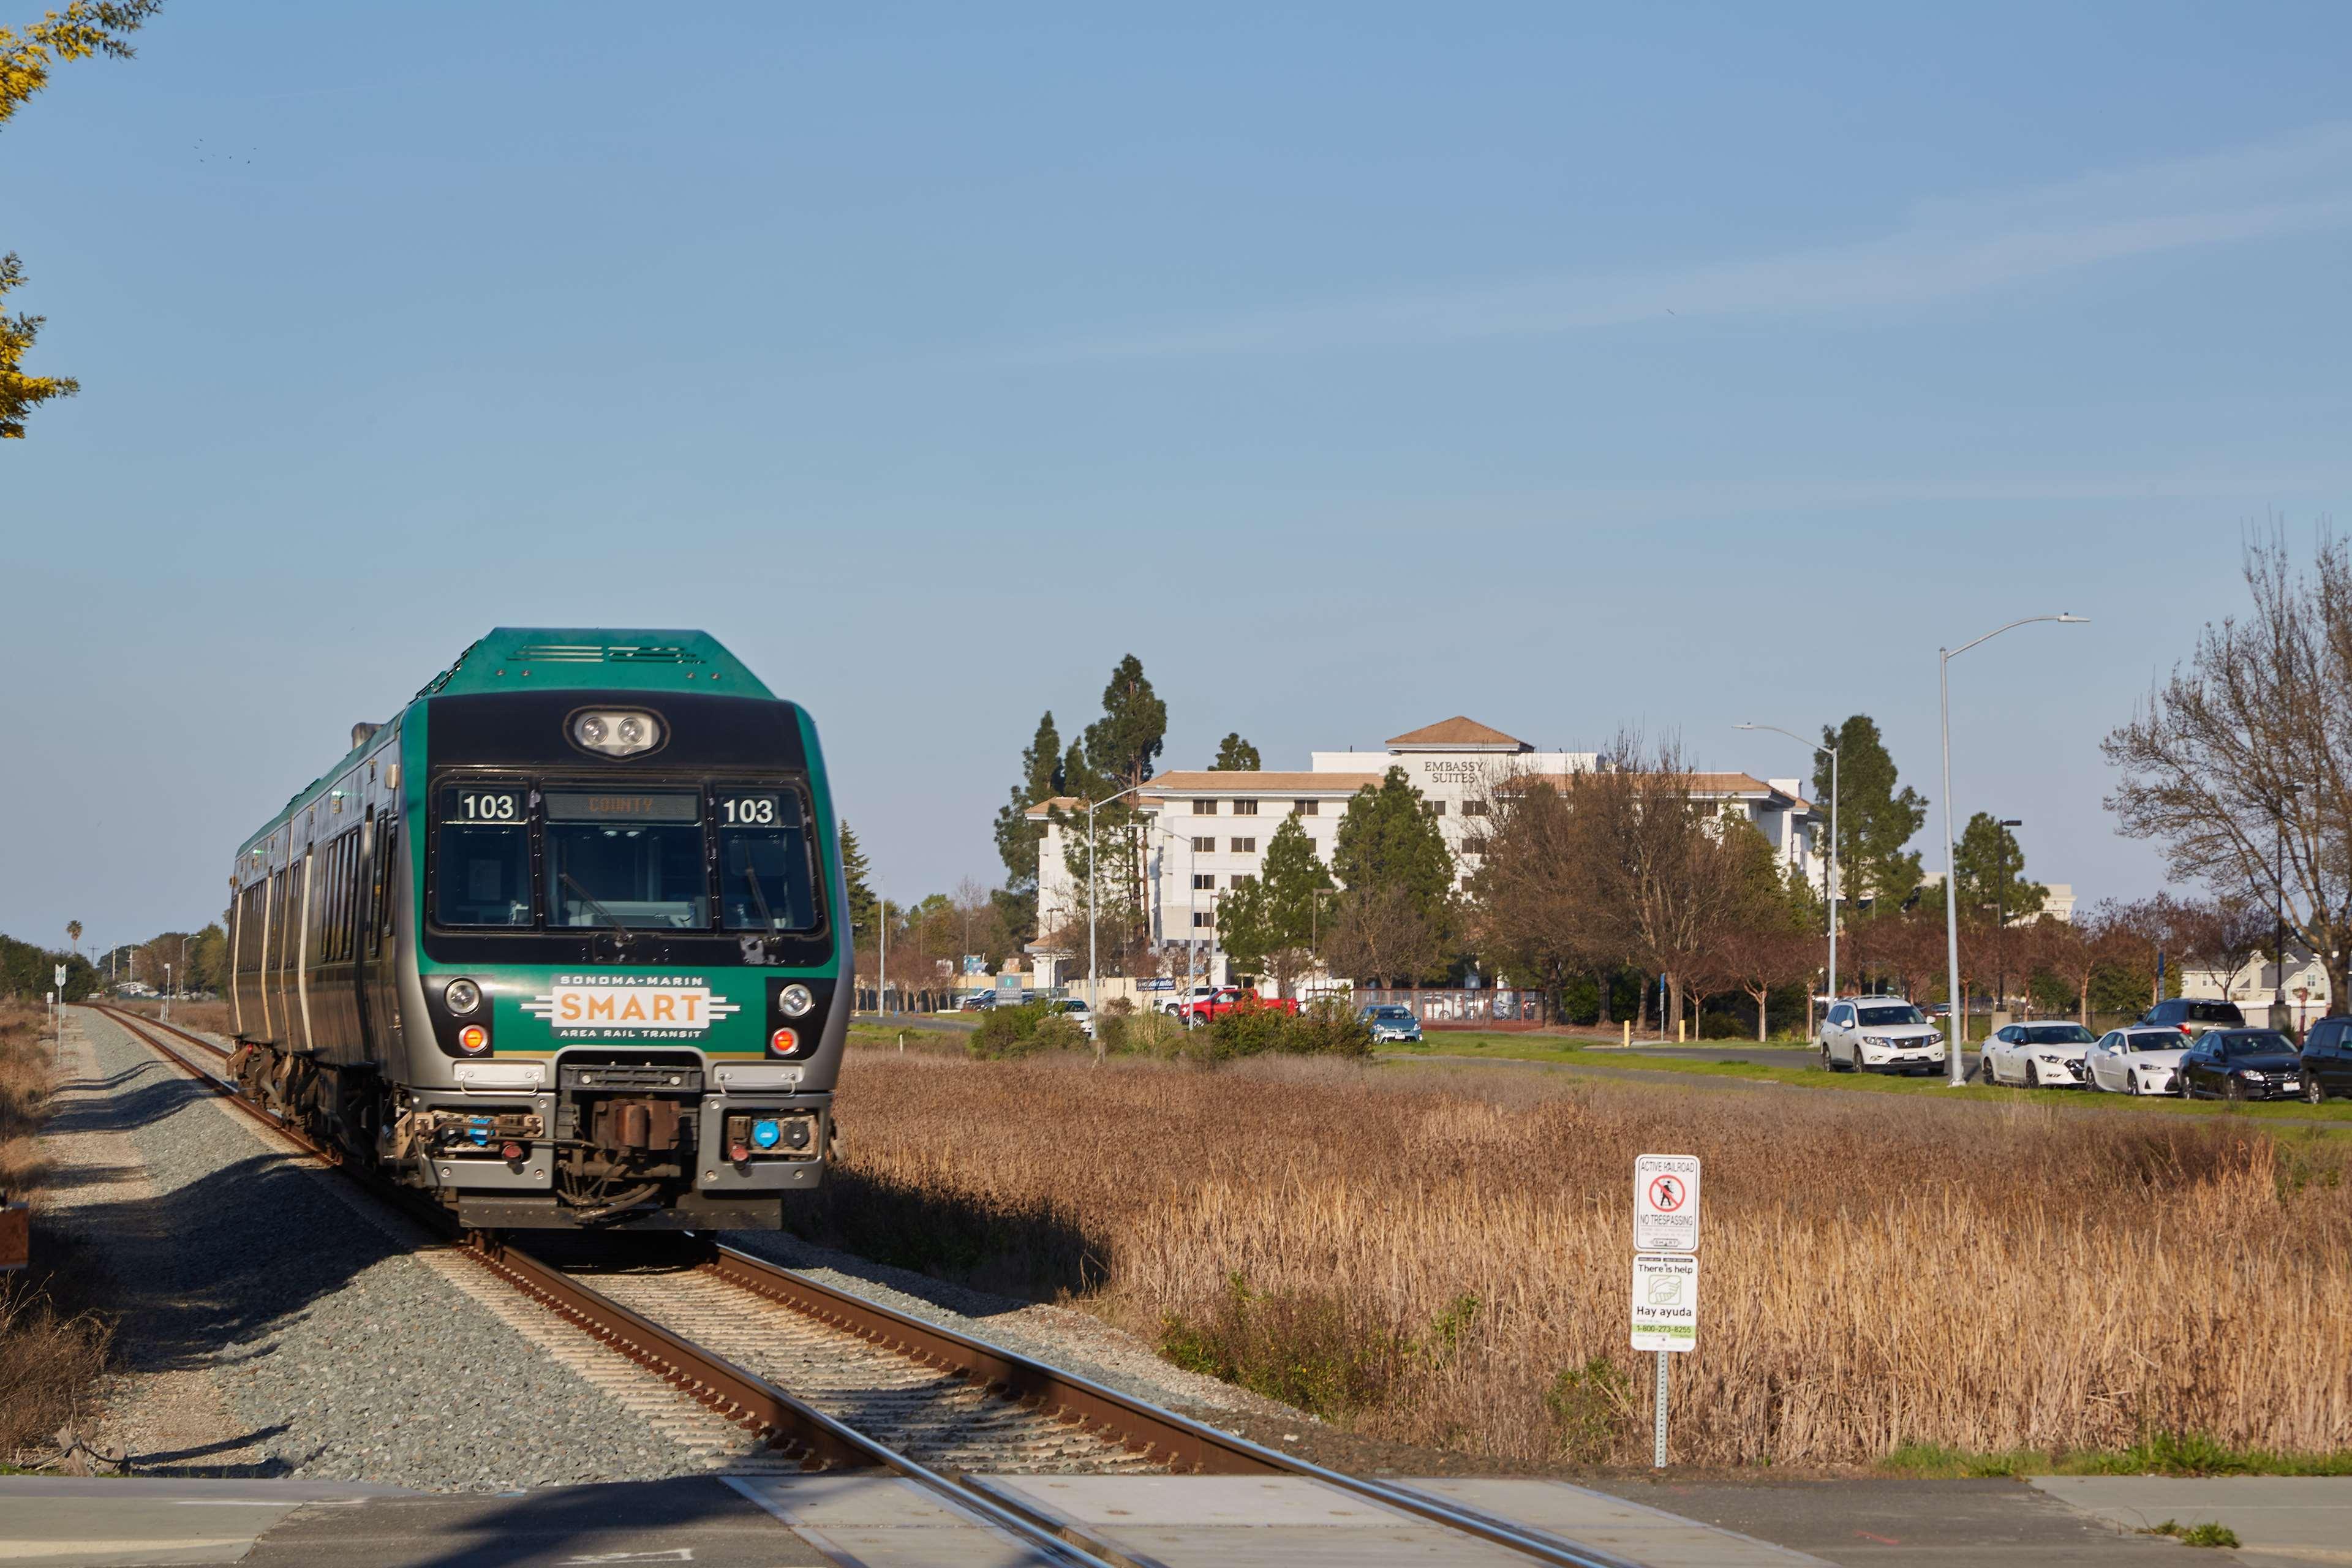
pixel 2037 1055
pixel 1391 1022
pixel 978 1002
pixel 2241 1064
pixel 1173 1002
pixel 1879 1034
pixel 2194 1017
pixel 2328 1058
pixel 1075 1008
pixel 1199 1010
pixel 2134 1060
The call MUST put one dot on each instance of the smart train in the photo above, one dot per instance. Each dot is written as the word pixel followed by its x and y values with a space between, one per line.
pixel 561 943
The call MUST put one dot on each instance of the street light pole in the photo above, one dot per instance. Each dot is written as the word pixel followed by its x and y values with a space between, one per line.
pixel 1832 886
pixel 2001 909
pixel 1956 1042
pixel 1093 876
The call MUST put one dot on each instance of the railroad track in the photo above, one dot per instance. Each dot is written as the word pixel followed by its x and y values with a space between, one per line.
pixel 879 1389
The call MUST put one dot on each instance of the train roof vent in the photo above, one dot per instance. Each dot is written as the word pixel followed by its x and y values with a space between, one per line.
pixel 603 653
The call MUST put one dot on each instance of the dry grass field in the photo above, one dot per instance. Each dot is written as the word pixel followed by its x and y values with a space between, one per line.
pixel 210 1016
pixel 50 1357
pixel 1441 1254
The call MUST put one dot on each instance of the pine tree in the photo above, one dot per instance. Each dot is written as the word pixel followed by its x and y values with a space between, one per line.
pixel 1131 731
pixel 1387 841
pixel 863 909
pixel 1992 872
pixel 1272 922
pixel 1041 778
pixel 1234 755
pixel 1876 819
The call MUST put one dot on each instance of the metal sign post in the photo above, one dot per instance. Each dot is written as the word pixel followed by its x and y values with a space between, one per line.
pixel 58 1009
pixel 1666 1271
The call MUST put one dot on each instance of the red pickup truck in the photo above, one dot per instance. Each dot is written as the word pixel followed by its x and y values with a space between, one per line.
pixel 1225 999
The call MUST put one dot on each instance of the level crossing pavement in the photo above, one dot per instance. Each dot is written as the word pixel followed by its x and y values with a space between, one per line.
pixel 1173 1521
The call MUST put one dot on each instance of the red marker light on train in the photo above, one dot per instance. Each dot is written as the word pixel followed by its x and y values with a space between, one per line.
pixel 473 1037
pixel 785 1041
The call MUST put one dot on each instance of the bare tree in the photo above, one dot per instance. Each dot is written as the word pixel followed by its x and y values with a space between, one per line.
pixel 1759 958
pixel 1381 933
pixel 2239 763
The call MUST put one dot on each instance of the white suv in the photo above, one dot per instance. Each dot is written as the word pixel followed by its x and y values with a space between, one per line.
pixel 1879 1034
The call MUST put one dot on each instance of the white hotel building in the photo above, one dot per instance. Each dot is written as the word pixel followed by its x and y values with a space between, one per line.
pixel 1207 830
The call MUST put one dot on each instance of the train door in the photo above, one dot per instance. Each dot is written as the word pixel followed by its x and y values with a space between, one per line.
pixel 235 956
pixel 302 948
pixel 261 966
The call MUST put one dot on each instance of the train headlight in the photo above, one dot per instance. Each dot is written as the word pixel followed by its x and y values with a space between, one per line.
pixel 615 732
pixel 463 996
pixel 794 1001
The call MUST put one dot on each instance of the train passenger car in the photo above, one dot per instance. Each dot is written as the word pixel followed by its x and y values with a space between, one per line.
pixel 562 942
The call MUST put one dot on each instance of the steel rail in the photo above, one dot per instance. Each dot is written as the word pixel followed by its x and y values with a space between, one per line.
pixel 797 1427
pixel 1140 1424
pixel 740 1395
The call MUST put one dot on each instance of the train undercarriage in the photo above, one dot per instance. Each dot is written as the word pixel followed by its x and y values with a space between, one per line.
pixel 622 1141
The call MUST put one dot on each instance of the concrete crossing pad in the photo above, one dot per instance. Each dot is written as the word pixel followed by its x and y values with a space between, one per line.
pixel 1649 1536
pixel 882 1522
pixel 1180 1521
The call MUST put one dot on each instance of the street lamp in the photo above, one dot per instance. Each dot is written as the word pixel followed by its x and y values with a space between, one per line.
pixel 1093 980
pixel 1957 1044
pixel 1833 845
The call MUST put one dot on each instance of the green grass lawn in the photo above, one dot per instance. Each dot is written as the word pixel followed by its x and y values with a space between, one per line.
pixel 1798 1068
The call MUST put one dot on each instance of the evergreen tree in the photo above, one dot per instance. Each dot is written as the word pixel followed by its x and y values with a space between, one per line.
pixel 1041 778
pixel 1271 923
pixel 1874 818
pixel 1992 872
pixel 1387 841
pixel 1120 744
pixel 1234 755
pixel 864 913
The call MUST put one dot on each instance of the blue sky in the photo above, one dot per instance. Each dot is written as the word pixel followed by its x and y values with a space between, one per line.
pixel 1354 368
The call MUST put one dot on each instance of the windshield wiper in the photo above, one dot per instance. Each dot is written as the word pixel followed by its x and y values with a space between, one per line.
pixel 623 935
pixel 760 897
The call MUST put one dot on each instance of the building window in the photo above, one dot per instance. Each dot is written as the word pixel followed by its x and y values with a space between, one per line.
pixel 1204 846
pixel 1304 807
pixel 1203 919
pixel 1204 809
pixel 1203 880
pixel 1434 807
pixel 1245 808
pixel 1244 880
pixel 1245 845
pixel 1473 809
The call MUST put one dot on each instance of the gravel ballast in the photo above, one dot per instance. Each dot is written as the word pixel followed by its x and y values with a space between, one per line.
pixel 338 1354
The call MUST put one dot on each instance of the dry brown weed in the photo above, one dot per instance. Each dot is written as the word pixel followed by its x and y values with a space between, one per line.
pixel 1441 1254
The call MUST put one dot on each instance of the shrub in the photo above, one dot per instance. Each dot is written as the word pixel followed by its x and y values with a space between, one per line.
pixel 1008 1032
pixel 1329 1027
pixel 1592 1407
pixel 1059 1032
pixel 1248 1028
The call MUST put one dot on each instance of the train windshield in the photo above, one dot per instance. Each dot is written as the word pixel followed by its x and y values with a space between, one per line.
pixel 485 858
pixel 632 858
pixel 766 881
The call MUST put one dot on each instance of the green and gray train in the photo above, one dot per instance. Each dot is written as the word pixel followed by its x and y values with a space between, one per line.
pixel 562 943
